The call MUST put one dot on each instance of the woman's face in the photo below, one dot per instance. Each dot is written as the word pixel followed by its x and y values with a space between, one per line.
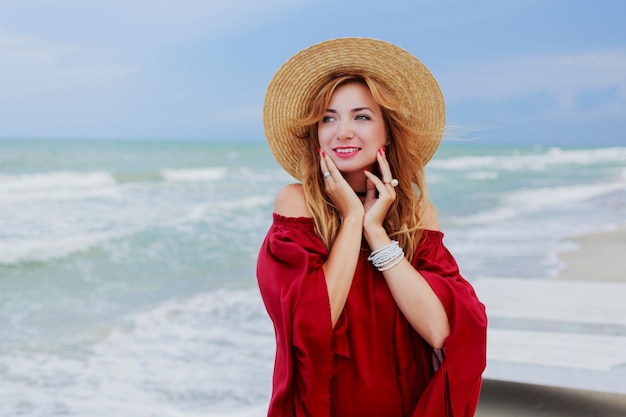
pixel 352 129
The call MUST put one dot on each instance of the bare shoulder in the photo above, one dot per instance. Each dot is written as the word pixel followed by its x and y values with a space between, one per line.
pixel 428 215
pixel 290 202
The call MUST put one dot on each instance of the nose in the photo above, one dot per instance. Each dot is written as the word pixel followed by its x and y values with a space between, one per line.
pixel 345 130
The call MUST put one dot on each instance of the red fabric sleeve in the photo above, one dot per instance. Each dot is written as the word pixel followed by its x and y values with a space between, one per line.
pixel 293 287
pixel 455 387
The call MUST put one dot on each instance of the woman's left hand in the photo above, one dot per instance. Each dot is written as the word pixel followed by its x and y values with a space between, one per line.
pixel 376 208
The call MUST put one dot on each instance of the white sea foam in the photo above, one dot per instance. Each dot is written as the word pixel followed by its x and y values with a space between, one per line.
pixel 536 198
pixel 532 199
pixel 209 210
pixel 45 249
pixel 465 162
pixel 210 355
pixel 57 186
pixel 483 175
pixel 534 161
pixel 586 156
pixel 245 203
pixel 195 175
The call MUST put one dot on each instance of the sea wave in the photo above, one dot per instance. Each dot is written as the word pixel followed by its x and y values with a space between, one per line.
pixel 209 355
pixel 537 198
pixel 532 199
pixel 195 175
pixel 209 210
pixel 44 249
pixel 58 186
pixel 483 175
pixel 537 161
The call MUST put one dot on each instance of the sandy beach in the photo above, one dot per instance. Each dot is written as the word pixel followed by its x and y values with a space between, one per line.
pixel 600 256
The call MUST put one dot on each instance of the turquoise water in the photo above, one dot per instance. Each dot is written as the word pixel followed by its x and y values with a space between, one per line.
pixel 127 268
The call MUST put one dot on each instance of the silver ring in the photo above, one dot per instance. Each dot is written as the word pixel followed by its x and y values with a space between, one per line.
pixel 326 174
pixel 394 182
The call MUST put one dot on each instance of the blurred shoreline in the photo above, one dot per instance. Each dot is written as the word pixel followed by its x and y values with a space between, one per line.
pixel 599 257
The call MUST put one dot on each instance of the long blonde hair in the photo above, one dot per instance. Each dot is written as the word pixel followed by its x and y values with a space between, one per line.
pixel 403 220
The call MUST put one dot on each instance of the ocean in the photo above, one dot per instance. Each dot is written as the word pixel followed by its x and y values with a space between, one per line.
pixel 127 268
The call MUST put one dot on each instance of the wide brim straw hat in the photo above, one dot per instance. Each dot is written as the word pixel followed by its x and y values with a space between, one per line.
pixel 299 79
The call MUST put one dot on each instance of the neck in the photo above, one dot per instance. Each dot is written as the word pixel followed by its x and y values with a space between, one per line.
pixel 357 180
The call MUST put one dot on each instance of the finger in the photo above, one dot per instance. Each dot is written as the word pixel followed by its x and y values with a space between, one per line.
pixel 378 184
pixel 324 166
pixel 383 189
pixel 331 167
pixel 385 169
pixel 370 189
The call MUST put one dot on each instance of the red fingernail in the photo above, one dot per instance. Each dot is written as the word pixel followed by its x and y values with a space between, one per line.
pixel 324 154
pixel 384 148
pixel 319 150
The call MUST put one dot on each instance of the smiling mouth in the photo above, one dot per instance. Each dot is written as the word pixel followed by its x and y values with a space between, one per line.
pixel 346 151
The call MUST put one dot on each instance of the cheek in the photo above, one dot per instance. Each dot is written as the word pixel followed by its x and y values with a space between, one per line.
pixel 324 134
pixel 382 129
pixel 377 135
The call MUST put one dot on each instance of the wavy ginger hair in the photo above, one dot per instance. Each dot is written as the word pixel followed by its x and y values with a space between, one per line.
pixel 402 221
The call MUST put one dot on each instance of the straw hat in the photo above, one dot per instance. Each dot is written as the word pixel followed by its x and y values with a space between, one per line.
pixel 299 79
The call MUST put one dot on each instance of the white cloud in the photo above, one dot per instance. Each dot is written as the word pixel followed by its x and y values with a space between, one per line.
pixel 563 76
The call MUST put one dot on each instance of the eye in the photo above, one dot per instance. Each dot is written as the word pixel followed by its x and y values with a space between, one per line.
pixel 327 119
pixel 363 117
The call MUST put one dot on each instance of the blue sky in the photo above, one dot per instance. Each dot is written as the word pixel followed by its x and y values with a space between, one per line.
pixel 549 72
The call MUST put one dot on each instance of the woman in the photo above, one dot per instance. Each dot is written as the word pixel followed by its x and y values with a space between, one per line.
pixel 371 315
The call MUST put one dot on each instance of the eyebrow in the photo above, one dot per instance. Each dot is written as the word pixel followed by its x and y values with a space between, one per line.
pixel 355 110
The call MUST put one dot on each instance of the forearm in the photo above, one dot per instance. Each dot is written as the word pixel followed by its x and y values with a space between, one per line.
pixel 414 296
pixel 341 263
pixel 418 302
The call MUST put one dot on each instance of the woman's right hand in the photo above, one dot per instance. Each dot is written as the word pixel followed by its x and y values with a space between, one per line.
pixel 338 189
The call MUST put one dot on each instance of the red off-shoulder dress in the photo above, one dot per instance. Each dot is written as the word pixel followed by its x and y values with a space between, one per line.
pixel 372 363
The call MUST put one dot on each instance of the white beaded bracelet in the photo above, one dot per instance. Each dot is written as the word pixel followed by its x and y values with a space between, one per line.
pixel 387 257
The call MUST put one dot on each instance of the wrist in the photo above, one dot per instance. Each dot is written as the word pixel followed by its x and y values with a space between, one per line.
pixel 355 214
pixel 376 236
pixel 353 221
pixel 386 257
